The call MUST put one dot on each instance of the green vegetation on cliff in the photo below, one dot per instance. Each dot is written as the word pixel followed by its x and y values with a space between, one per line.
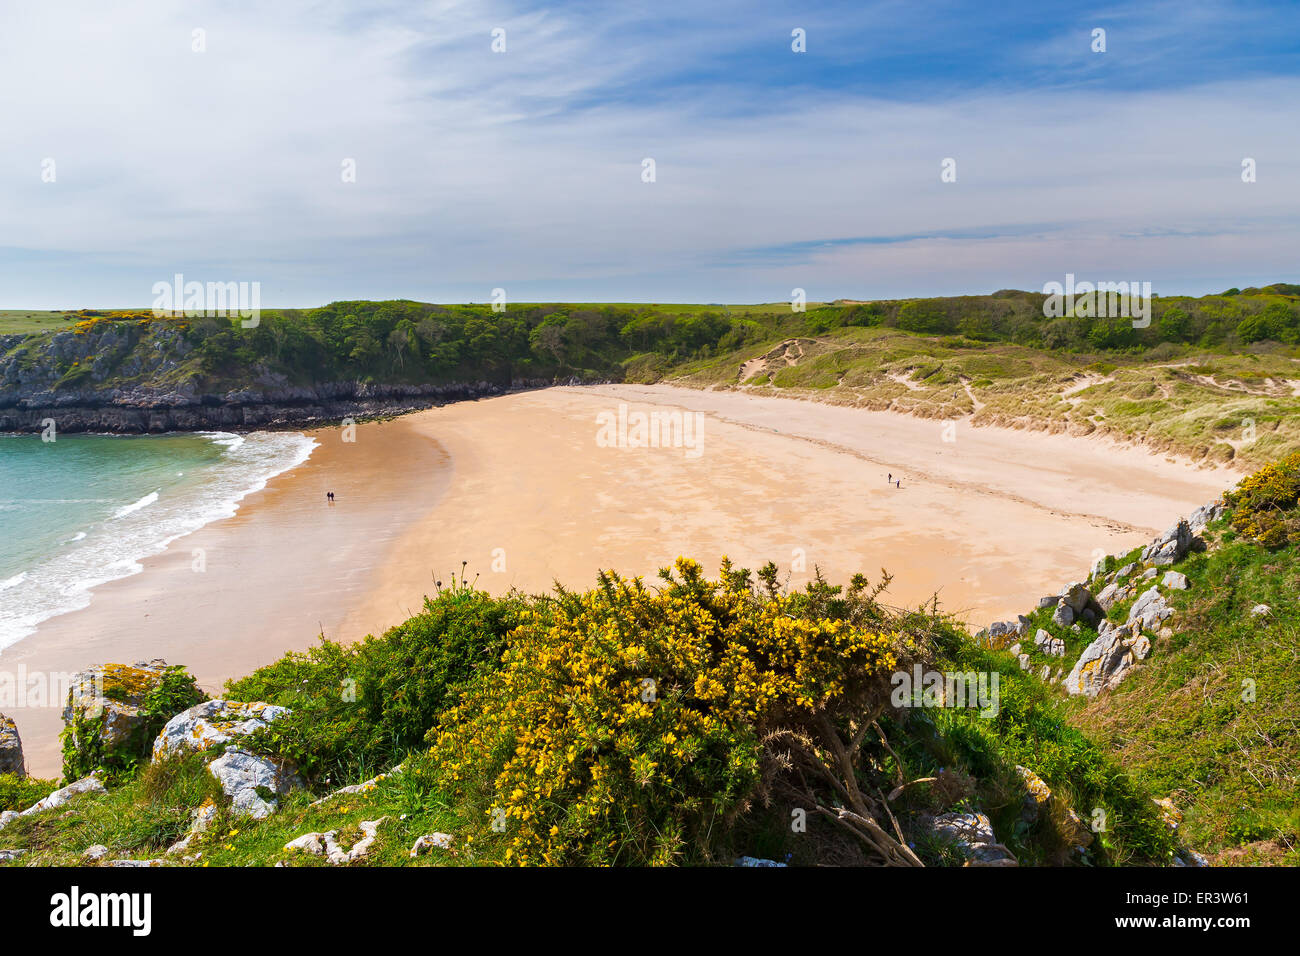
pixel 1215 377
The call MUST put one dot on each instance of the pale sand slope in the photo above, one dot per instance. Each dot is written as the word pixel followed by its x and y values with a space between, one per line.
pixel 519 487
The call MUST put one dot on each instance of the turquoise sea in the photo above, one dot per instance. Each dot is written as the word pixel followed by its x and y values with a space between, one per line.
pixel 84 509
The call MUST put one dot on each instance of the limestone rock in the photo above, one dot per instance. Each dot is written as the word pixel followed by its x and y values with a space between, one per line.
pixel 1076 596
pixel 1047 644
pixel 1063 616
pixel 972 835
pixel 1112 594
pixel 1107 660
pixel 252 782
pixel 1048 600
pixel 327 844
pixel 93 854
pixel 8 856
pixel 1023 661
pixel 1037 795
pixel 1169 813
pixel 105 717
pixel 1204 515
pixel 364 787
pixel 1261 610
pixel 202 821
pixel 1171 547
pixel 11 748
pixel 1176 580
pixel 1126 570
pixel 1150 609
pixel 58 798
pixel 213 724
pixel 136 863
pixel 440 841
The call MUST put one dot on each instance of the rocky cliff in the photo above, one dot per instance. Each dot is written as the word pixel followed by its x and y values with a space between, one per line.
pixel 133 379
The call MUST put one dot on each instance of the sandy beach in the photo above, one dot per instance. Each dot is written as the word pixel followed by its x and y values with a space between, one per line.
pixel 528 489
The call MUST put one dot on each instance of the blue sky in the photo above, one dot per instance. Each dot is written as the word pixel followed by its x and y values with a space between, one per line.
pixel 522 170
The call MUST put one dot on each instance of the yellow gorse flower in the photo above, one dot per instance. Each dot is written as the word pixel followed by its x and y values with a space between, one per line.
pixel 627 704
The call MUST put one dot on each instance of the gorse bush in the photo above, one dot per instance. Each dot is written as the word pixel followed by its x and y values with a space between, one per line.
pixel 627 725
pixel 1264 504
pixel 359 709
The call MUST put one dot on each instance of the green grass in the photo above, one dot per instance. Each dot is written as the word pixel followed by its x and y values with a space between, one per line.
pixel 143 817
pixel 25 322
pixel 1184 722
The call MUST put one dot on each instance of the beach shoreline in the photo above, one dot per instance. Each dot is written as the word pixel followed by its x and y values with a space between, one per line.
pixel 522 489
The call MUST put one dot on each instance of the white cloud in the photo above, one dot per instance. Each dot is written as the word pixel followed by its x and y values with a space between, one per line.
pixel 523 170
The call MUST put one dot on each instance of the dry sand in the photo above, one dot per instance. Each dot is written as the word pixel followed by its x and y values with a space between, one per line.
pixel 520 488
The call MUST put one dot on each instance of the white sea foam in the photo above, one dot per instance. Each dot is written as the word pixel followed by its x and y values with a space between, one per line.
pixel 144 502
pixel 114 548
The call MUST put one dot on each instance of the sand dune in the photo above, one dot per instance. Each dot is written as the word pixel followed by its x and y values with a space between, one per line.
pixel 536 487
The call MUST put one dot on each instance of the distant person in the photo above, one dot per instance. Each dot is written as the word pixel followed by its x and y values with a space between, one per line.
pixel 890 479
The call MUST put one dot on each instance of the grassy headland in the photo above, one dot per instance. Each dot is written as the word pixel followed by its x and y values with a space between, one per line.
pixel 1215 378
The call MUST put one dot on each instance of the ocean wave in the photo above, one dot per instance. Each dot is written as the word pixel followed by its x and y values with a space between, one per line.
pixel 114 548
pixel 144 502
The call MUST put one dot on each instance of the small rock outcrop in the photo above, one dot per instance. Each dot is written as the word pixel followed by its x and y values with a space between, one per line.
pixel 1206 514
pixel 107 722
pixel 1171 547
pixel 1049 645
pixel 1107 660
pixel 432 841
pixel 252 783
pixel 203 818
pixel 326 844
pixel 11 748
pixel 972 835
pixel 364 787
pixel 57 799
pixel 1150 610
pixel 213 724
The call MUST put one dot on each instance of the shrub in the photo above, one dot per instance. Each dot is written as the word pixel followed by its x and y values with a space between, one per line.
pixel 360 708
pixel 1264 504
pixel 630 726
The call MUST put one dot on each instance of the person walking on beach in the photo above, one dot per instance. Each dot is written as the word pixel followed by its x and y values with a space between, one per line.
pixel 890 479
pixel 329 496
